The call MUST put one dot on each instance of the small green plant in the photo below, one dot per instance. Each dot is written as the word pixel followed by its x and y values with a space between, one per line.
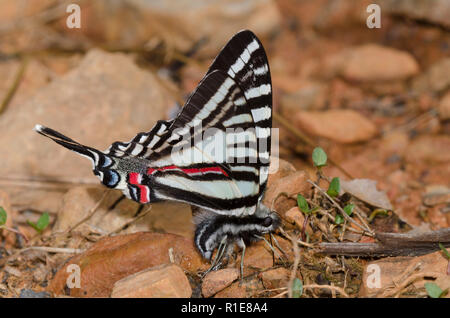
pixel 349 209
pixel 433 290
pixel 339 219
pixel 334 188
pixel 444 250
pixel 41 224
pixel 3 216
pixel 297 288
pixel 319 157
pixel 303 204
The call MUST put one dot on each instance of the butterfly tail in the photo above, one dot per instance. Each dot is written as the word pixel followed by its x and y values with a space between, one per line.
pixel 102 164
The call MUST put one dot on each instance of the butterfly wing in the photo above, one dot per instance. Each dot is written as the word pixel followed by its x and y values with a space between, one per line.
pixel 164 164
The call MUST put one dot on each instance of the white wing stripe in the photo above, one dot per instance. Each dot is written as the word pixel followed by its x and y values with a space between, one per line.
pixel 262 113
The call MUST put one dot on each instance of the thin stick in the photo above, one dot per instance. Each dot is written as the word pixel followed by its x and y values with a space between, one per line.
pixel 396 292
pixel 91 212
pixel 295 266
pixel 14 231
pixel 332 288
pixel 43 249
pixel 134 220
pixel 12 90
pixel 368 230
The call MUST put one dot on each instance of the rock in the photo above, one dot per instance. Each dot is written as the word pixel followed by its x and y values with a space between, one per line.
pixel 216 281
pixel 257 256
pixel 380 275
pixel 292 184
pixel 246 289
pixel 318 15
pixel 436 194
pixel 179 26
pixel 113 258
pixel 394 143
pixel 35 76
pixel 295 216
pixel 436 12
pixel 429 149
pixel 310 96
pixel 434 79
pixel 95 103
pixel 375 63
pixel 170 217
pixel 371 63
pixel 344 126
pixel 280 170
pixel 164 281
pixel 444 107
pixel 28 293
pixel 275 278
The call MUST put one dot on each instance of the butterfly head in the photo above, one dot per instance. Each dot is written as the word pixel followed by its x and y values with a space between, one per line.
pixel 212 229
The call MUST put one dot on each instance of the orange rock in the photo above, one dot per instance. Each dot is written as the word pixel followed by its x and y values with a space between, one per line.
pixel 380 275
pixel 164 281
pixel 114 258
pixel 275 278
pixel 215 281
pixel 294 215
pixel 344 126
pixel 257 256
pixel 280 170
pixel 429 149
pixel 372 62
pixel 292 184
pixel 247 288
pixel 170 217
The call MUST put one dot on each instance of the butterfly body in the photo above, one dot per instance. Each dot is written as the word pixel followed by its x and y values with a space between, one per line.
pixel 214 155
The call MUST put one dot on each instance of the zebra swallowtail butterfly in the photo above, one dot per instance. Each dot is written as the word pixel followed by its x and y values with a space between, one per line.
pixel 233 99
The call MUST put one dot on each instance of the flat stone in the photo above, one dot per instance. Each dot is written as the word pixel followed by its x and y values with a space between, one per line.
pixel 164 281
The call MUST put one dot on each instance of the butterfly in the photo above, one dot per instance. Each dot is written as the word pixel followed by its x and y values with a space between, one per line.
pixel 214 155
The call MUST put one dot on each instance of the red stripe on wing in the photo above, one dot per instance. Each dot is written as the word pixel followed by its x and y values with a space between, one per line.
pixel 189 171
pixel 133 178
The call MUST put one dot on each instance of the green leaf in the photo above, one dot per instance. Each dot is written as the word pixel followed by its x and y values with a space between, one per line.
pixel 41 224
pixel 349 209
pixel 334 188
pixel 43 221
pixel 433 290
pixel 339 219
pixel 297 288
pixel 303 204
pixel 319 157
pixel 3 216
pixel 446 253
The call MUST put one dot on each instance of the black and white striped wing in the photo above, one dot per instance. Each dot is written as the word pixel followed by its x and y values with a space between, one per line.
pixel 214 154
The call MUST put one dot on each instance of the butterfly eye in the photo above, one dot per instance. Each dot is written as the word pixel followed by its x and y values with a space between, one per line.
pixel 267 222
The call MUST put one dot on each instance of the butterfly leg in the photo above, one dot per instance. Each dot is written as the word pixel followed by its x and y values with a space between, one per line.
pixel 278 245
pixel 220 252
pixel 271 247
pixel 241 244
pixel 113 206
